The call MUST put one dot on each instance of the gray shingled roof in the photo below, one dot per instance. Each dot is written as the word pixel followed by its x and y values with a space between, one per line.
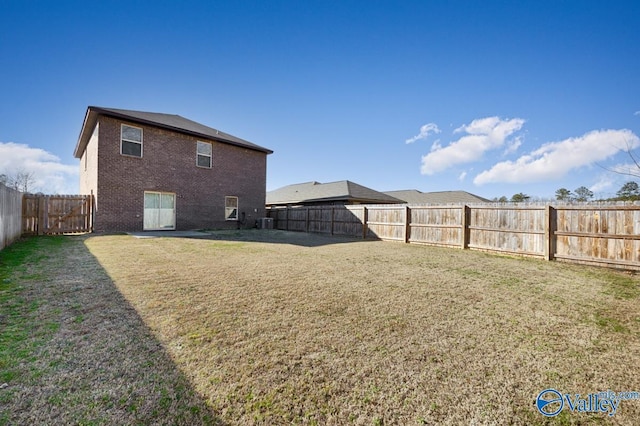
pixel 165 121
pixel 413 196
pixel 316 192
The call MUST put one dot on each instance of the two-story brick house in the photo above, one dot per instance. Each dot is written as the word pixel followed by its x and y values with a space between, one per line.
pixel 153 171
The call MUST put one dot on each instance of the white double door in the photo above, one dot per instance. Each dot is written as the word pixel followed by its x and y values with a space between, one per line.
pixel 159 211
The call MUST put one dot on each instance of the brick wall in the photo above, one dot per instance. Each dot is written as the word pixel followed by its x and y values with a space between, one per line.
pixel 169 165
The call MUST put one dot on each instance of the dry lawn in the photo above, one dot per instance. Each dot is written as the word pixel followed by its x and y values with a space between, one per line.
pixel 74 352
pixel 270 327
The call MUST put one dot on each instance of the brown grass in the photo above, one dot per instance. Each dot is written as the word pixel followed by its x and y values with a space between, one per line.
pixel 282 328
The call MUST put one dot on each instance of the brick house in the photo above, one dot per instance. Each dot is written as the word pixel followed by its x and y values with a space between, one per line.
pixel 152 171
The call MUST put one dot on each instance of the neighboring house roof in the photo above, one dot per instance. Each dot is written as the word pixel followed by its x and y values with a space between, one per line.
pixel 316 192
pixel 172 122
pixel 413 196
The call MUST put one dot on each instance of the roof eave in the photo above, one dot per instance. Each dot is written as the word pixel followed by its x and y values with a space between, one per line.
pixel 83 137
pixel 333 199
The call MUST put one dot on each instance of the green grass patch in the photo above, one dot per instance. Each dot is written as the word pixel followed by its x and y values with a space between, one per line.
pixel 20 332
pixel 609 323
pixel 227 245
pixel 621 285
pixel 469 273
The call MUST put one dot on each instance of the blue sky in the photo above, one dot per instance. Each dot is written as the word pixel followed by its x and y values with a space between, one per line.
pixel 491 97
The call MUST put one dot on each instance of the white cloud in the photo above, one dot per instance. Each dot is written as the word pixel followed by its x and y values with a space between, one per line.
pixel 513 145
pixel 554 160
pixel 462 176
pixel 636 113
pixel 51 176
pixel 605 183
pixel 425 131
pixel 483 135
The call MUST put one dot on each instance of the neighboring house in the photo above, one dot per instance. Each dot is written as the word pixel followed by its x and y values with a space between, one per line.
pixel 152 171
pixel 335 193
pixel 413 196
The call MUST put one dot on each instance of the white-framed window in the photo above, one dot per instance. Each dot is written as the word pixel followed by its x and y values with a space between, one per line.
pixel 130 141
pixel 231 208
pixel 204 155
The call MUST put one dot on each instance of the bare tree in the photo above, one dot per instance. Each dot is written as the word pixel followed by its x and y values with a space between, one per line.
pixel 634 170
pixel 22 180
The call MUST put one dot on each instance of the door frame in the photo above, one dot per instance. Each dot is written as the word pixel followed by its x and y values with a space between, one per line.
pixel 173 216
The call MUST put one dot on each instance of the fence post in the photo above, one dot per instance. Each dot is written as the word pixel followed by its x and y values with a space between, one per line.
pixel 365 219
pixel 25 221
pixel 466 223
pixel 90 211
pixel 332 218
pixel 286 217
pixel 306 220
pixel 407 223
pixel 550 219
pixel 42 214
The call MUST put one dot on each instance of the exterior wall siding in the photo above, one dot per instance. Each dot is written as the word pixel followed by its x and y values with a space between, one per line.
pixel 89 165
pixel 168 164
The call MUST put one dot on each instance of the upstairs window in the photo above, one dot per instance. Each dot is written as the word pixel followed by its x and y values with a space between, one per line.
pixel 131 141
pixel 231 208
pixel 204 154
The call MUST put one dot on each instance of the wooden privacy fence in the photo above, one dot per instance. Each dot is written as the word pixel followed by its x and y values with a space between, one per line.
pixel 10 215
pixel 56 214
pixel 602 234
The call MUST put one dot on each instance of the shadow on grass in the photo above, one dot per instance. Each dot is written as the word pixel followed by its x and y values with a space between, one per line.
pixel 274 236
pixel 74 351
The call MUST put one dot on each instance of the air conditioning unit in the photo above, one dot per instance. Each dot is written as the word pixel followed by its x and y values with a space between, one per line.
pixel 266 223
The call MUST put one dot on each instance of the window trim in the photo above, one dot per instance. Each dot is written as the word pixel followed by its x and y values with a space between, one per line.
pixel 237 208
pixel 123 139
pixel 204 155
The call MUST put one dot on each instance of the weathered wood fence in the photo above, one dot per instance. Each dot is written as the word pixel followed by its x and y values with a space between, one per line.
pixel 10 215
pixel 602 234
pixel 56 214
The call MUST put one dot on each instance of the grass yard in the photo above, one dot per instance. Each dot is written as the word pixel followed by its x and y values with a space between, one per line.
pixel 269 327
pixel 74 351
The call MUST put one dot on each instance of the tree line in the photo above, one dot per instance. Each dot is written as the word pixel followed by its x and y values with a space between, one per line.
pixel 630 191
